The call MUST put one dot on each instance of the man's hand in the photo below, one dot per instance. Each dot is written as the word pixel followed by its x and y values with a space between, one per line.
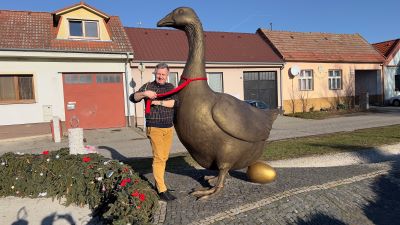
pixel 145 94
pixel 150 94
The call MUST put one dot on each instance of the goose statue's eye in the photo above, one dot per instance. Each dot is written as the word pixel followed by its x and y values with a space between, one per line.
pixel 181 11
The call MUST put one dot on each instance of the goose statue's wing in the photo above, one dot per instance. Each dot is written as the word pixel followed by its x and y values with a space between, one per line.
pixel 241 120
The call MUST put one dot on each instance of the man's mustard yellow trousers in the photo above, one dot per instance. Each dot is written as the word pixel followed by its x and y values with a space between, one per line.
pixel 161 141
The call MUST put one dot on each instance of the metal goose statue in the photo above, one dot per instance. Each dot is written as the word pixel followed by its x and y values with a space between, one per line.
pixel 220 131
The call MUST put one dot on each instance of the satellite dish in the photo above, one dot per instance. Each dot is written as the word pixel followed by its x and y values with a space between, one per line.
pixel 295 70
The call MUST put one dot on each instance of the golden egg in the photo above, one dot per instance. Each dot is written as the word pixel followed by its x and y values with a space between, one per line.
pixel 260 172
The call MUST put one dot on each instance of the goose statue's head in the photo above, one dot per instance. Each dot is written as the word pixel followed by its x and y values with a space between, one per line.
pixel 180 18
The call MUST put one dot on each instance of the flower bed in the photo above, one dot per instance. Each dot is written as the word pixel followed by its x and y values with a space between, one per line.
pixel 110 188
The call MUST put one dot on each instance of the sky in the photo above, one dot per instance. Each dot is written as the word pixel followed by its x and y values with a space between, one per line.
pixel 374 20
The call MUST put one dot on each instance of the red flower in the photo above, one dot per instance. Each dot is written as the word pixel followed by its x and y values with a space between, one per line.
pixel 136 181
pixel 135 194
pixel 125 181
pixel 138 207
pixel 45 152
pixel 142 197
pixel 125 170
pixel 86 159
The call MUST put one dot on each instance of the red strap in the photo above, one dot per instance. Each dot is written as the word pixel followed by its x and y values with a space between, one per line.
pixel 173 91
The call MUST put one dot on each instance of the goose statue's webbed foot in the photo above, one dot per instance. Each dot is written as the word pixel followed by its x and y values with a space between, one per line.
pixel 205 193
pixel 211 180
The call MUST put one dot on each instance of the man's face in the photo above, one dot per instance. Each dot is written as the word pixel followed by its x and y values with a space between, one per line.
pixel 162 76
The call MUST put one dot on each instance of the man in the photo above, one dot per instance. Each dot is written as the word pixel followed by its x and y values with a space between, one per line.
pixel 159 124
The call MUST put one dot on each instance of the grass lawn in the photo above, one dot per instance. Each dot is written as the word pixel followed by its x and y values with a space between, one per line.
pixel 332 143
pixel 297 147
pixel 319 115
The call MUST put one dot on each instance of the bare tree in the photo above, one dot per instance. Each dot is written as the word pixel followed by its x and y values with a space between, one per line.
pixel 344 97
pixel 303 97
pixel 349 93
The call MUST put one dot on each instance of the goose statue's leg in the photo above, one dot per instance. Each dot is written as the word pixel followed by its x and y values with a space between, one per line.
pixel 204 194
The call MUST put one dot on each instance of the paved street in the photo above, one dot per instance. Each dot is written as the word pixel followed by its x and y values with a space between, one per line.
pixel 357 194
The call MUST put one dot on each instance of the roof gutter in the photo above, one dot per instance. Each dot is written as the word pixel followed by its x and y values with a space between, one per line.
pixel 333 61
pixel 40 53
pixel 213 62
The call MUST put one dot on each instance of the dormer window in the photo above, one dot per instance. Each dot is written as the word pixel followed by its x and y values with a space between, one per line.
pixel 84 29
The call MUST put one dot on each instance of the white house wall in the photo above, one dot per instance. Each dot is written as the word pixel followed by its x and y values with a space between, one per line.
pixel 48 86
pixel 391 70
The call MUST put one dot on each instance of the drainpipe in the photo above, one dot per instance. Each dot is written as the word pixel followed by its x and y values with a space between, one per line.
pixel 383 84
pixel 280 87
pixel 127 91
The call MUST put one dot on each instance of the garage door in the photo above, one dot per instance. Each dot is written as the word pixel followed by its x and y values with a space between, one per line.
pixel 261 86
pixel 94 100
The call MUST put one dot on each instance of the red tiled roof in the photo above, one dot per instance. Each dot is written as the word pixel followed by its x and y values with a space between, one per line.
pixel 35 30
pixel 172 45
pixel 386 47
pixel 322 47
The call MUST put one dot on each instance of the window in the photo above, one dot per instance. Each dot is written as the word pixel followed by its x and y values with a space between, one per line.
pixel 16 88
pixel 250 76
pixel 215 81
pixel 173 78
pixel 335 79
pixel 397 82
pixel 83 29
pixel 108 78
pixel 263 75
pixel 306 80
pixel 77 78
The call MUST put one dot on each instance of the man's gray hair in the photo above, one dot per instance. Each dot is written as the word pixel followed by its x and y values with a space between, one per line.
pixel 162 66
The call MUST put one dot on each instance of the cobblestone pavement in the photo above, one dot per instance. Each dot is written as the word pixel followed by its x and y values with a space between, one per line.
pixel 357 194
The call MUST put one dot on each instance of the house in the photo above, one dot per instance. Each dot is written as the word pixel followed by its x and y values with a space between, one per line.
pixel 239 64
pixel 72 64
pixel 391 51
pixel 324 70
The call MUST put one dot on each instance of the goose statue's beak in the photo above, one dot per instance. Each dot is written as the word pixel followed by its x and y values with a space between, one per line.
pixel 167 21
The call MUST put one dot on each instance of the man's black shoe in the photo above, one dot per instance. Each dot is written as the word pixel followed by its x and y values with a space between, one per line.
pixel 166 196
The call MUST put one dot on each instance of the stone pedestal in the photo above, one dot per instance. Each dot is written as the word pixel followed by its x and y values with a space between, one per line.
pixel 75 138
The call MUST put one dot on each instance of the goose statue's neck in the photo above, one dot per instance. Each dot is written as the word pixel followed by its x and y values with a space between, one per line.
pixel 195 64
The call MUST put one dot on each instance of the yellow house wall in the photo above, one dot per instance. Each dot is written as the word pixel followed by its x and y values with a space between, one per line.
pixel 320 96
pixel 82 14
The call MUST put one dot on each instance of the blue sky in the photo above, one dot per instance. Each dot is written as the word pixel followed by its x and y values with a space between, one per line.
pixel 375 20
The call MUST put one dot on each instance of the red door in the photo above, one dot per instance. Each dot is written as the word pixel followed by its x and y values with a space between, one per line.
pixel 93 100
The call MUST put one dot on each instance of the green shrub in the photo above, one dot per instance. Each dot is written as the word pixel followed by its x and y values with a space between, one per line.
pixel 341 106
pixel 110 188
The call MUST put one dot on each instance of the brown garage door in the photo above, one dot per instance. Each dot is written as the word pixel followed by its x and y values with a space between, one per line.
pixel 94 100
